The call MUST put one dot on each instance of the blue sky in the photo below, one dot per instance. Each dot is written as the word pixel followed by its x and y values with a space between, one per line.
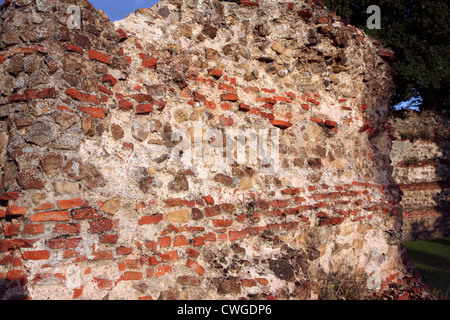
pixel 118 9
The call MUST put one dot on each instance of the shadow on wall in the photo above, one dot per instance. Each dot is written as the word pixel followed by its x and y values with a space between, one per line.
pixel 12 290
pixel 426 229
pixel 442 224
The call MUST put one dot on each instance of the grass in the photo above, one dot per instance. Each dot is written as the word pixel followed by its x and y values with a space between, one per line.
pixel 432 259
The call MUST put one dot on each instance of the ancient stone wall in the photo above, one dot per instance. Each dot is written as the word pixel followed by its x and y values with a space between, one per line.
pixel 122 178
pixel 420 156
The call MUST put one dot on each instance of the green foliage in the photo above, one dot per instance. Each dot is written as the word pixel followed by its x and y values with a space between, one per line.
pixel 418 32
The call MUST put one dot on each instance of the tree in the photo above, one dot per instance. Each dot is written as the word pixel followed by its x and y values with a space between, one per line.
pixel 419 34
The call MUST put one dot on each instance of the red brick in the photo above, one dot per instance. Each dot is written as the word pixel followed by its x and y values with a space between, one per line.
pixel 122 35
pixel 104 283
pixel 195 266
pixel 36 255
pixel 317 120
pixel 226 106
pixel 70 203
pixel 163 270
pixel 132 275
pixel 39 94
pixel 12 230
pixel 254 111
pixel 34 228
pixel 243 107
pixel 94 112
pixel 215 73
pixel 44 207
pixel 281 124
pixel 50 216
pixel 305 13
pixel 16 211
pixel 109 78
pixel 262 281
pixel 164 242
pixel 13 195
pixel 212 211
pixel 237 235
pixel 283 99
pixel 105 90
pixel 102 255
pixel 209 200
pixel 99 56
pixel 77 95
pixel 150 63
pixel 67 228
pixel 125 105
pixel 210 105
pixel 223 86
pixel 198 241
pixel 222 222
pixel 123 251
pixel 248 282
pixel 86 213
pixel 330 124
pixel 98 226
pixel 179 241
pixel 322 20
pixel 312 101
pixel 251 90
pixel 23 243
pixel 73 48
pixel 108 238
pixel 5 245
pixel 269 116
pixel 169 256
pixel 14 275
pixel 150 219
pixel 63 243
pixel 229 97
pixel 144 108
pixel 226 121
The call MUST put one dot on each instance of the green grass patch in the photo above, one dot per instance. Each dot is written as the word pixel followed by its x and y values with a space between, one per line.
pixel 432 259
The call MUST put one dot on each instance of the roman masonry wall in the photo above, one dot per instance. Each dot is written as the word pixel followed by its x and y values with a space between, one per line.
pixel 194 150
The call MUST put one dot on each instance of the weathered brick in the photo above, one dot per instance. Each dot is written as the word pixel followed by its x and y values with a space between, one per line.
pixel 281 124
pixel 86 213
pixel 179 241
pixel 132 275
pixel 15 211
pixel 144 108
pixel 67 228
pixel 150 63
pixel 62 215
pixel 164 242
pixel 229 97
pixel 36 255
pixel 150 219
pixel 77 95
pixel 94 112
pixel 99 56
pixel 33 228
pixel 215 73
pixel 70 203
pixel 63 243
pixel 195 266
pixel 98 226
